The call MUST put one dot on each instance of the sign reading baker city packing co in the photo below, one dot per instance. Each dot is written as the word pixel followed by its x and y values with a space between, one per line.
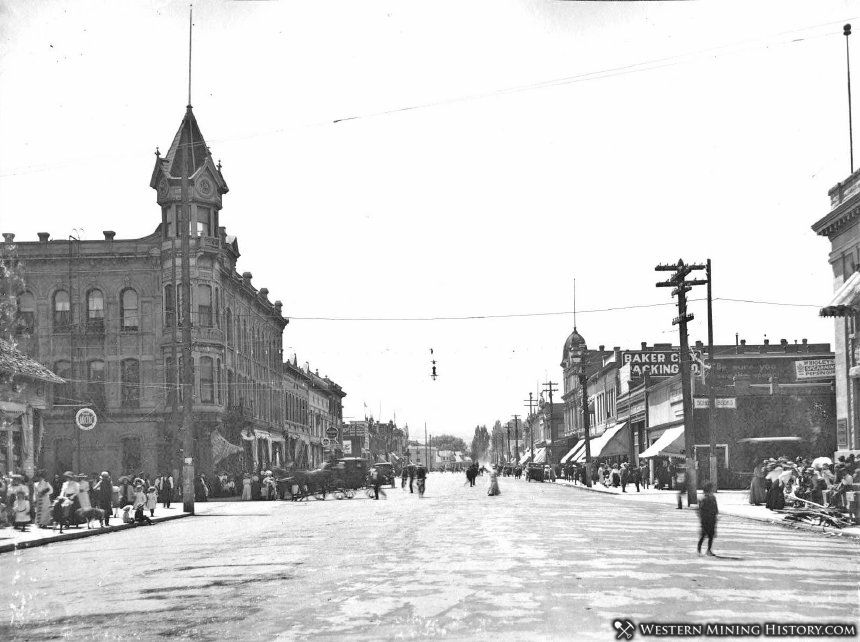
pixel 815 368
pixel 654 363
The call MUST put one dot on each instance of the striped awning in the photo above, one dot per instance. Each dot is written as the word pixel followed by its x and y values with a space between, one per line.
pixel 669 444
pixel 540 456
pixel 846 300
pixel 573 451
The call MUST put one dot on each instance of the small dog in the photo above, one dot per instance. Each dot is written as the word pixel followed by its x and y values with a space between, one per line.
pixel 61 513
pixel 91 515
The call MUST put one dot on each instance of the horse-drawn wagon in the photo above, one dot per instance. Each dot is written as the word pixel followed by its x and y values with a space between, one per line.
pixel 342 478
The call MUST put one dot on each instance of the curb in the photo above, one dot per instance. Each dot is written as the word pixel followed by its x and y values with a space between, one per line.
pixel 79 534
pixel 811 528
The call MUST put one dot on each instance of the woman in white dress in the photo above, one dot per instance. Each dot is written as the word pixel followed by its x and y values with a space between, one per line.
pixel 246 488
pixel 494 485
pixel 84 492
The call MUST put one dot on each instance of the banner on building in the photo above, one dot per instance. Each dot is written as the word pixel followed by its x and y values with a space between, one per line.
pixel 815 369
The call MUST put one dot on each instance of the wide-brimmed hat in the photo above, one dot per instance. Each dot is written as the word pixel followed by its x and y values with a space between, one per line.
pixel 105 474
pixel 68 473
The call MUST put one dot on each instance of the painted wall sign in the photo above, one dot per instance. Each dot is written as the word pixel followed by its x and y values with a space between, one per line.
pixel 815 369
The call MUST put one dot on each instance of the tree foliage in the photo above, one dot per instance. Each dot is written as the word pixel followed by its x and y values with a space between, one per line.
pixel 480 443
pixel 448 442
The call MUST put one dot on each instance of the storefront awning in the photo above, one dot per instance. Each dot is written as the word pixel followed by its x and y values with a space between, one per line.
pixel 670 443
pixel 612 442
pixel 525 458
pixel 846 300
pixel 540 456
pixel 573 451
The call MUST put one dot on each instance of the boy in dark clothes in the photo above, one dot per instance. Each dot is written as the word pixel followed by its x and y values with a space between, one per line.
pixel 708 517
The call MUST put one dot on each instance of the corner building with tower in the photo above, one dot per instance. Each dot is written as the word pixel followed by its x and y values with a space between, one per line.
pixel 106 316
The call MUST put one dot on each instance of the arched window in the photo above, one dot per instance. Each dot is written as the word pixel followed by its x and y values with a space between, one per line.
pixel 207 380
pixel 26 313
pixel 130 383
pixel 95 311
pixel 229 327
pixel 96 383
pixel 63 391
pixel 129 309
pixel 204 306
pixel 62 311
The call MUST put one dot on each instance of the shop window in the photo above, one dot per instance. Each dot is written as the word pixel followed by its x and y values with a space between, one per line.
pixel 129 309
pixel 203 224
pixel 207 380
pixel 204 306
pixel 26 313
pixel 96 383
pixel 95 311
pixel 130 383
pixel 62 311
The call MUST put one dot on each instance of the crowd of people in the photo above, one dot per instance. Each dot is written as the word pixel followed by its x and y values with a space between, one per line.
pixel 779 481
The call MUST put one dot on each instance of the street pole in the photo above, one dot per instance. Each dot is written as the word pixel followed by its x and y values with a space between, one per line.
pixel 530 420
pixel 709 378
pixel 187 372
pixel 846 31
pixel 552 432
pixel 583 384
pixel 508 454
pixel 516 440
pixel 680 288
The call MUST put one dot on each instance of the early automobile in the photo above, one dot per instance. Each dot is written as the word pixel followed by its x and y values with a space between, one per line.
pixel 386 472
pixel 535 472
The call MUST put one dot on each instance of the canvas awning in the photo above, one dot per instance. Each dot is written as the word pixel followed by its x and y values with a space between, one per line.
pixel 846 300
pixel 612 442
pixel 525 458
pixel 573 451
pixel 540 456
pixel 669 444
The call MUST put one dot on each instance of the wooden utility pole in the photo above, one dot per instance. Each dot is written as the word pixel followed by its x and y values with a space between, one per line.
pixel 531 404
pixel 516 439
pixel 680 288
pixel 550 387
pixel 709 378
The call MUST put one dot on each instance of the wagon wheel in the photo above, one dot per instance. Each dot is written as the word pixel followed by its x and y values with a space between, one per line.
pixel 349 493
pixel 339 494
pixel 320 494
pixel 369 493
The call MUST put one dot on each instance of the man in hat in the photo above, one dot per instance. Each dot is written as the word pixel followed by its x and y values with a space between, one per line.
pixel 103 491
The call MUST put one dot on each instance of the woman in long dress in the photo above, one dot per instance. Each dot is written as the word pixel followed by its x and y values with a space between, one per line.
pixel 758 489
pixel 246 488
pixel 84 492
pixel 42 492
pixel 494 485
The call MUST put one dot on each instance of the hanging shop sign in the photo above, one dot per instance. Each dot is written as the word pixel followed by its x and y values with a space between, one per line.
pixel 86 419
pixel 347 447
pixel 331 433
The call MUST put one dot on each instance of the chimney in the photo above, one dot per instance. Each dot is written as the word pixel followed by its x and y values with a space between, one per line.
pixel 644 345
pixel 43 237
pixel 601 348
pixel 783 342
pixel 109 234
pixel 767 342
pixel 699 344
pixel 8 237
pixel 743 342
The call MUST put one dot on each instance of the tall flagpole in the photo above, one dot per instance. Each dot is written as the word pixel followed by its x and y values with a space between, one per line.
pixel 846 31
pixel 190 22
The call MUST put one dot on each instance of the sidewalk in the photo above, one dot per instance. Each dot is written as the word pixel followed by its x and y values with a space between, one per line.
pixel 11 539
pixel 731 502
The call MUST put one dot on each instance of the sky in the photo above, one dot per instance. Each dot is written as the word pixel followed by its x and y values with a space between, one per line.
pixel 468 158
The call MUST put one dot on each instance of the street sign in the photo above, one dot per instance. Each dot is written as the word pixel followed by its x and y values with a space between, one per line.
pixel 86 419
pixel 326 442
pixel 331 433
pixel 725 403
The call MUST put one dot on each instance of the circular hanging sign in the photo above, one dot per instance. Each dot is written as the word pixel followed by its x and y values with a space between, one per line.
pixel 86 419
pixel 326 442
pixel 331 433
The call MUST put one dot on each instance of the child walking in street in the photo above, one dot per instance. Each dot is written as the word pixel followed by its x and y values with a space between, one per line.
pixel 151 500
pixel 708 517
pixel 21 507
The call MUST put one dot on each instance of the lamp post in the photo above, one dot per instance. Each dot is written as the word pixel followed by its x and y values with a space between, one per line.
pixel 578 368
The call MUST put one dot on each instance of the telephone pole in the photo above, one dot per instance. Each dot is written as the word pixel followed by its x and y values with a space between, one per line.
pixel 531 404
pixel 550 387
pixel 680 288
pixel 516 439
pixel 709 379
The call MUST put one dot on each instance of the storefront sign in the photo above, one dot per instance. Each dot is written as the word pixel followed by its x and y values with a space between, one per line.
pixel 331 432
pixel 815 369
pixel 841 433
pixel 86 419
pixel 724 403
pixel 654 363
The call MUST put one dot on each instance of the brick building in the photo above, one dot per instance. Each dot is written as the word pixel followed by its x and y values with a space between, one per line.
pixel 105 316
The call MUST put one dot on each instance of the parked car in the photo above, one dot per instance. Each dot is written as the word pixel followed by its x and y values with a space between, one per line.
pixel 535 472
